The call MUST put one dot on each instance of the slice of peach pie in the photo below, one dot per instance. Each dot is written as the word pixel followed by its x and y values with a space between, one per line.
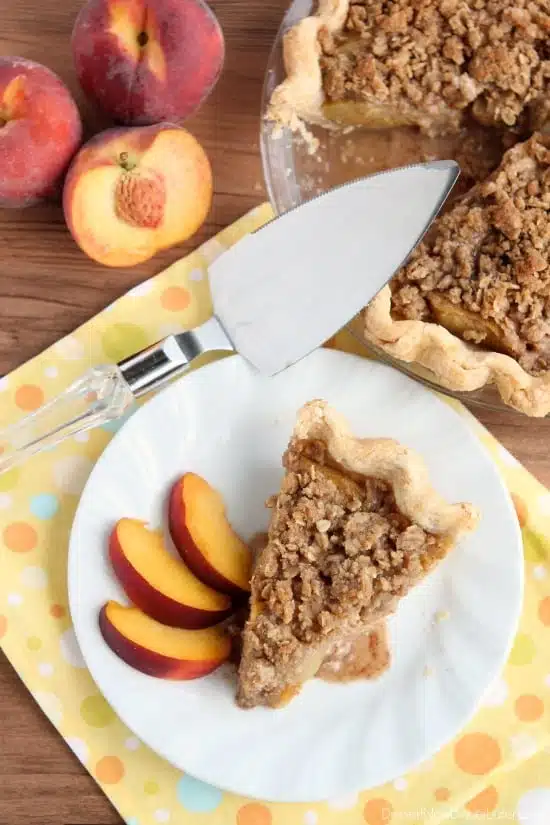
pixel 354 527
pixel 384 63
pixel 472 304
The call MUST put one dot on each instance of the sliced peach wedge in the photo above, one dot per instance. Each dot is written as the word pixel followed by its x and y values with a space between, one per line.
pixel 165 652
pixel 159 583
pixel 205 539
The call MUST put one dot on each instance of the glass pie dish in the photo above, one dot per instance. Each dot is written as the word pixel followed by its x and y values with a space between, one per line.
pixel 294 174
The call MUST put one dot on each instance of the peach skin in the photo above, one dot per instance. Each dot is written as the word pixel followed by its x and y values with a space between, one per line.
pixel 164 652
pixel 205 539
pixel 145 61
pixel 132 192
pixel 40 130
pixel 160 584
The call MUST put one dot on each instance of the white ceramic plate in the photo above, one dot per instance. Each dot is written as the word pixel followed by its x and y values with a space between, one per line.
pixel 231 425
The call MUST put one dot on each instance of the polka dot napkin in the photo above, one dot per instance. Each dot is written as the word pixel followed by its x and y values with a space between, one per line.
pixel 498 768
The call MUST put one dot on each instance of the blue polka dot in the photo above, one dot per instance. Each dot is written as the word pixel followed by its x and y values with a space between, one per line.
pixel 44 506
pixel 132 821
pixel 196 796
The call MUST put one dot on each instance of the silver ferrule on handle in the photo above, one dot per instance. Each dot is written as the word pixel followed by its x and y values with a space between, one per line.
pixel 105 393
pixel 154 366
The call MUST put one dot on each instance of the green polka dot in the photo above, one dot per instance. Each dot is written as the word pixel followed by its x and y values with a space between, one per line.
pixel 535 546
pixel 120 340
pixel 96 712
pixel 9 480
pixel 34 643
pixel 151 788
pixel 523 651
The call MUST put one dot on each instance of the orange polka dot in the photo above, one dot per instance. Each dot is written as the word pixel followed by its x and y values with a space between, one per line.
pixel 57 611
pixel 253 814
pixel 477 753
pixel 109 770
pixel 485 802
pixel 544 611
pixel 529 708
pixel 20 537
pixel 377 812
pixel 521 509
pixel 29 397
pixel 175 298
pixel 3 626
pixel 442 794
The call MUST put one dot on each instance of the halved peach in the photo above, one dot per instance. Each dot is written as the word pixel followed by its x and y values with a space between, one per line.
pixel 159 583
pixel 205 539
pixel 165 652
pixel 131 192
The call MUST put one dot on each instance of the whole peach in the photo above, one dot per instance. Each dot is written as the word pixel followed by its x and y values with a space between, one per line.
pixel 40 130
pixel 145 61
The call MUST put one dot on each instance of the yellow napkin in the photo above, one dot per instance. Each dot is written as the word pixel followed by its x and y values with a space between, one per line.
pixel 498 768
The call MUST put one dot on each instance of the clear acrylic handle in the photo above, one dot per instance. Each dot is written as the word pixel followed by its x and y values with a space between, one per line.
pixel 99 396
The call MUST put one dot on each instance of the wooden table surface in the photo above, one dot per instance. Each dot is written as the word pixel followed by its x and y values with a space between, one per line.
pixel 47 287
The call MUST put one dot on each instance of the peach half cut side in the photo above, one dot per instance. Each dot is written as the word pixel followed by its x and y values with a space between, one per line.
pixel 130 193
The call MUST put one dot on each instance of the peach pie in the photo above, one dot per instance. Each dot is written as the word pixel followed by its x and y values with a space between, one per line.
pixel 472 304
pixel 355 526
pixel 381 63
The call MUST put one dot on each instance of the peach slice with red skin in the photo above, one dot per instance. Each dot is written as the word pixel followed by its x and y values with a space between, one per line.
pixel 131 192
pixel 161 584
pixel 205 539
pixel 164 652
pixel 147 61
pixel 40 130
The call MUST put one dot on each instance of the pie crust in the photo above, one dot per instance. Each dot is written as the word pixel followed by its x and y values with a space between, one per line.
pixel 388 460
pixel 355 526
pixel 457 365
pixel 299 98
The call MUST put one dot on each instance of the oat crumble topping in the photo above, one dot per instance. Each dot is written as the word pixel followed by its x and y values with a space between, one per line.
pixel 365 655
pixel 340 555
pixel 490 255
pixel 490 57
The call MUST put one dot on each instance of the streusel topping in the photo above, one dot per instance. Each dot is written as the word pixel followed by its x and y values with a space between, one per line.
pixel 339 552
pixel 491 57
pixel 490 254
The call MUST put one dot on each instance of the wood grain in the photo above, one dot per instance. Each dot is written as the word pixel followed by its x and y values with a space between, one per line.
pixel 47 288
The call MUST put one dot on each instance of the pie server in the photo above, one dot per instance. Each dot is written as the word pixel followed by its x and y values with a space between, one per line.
pixel 278 294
